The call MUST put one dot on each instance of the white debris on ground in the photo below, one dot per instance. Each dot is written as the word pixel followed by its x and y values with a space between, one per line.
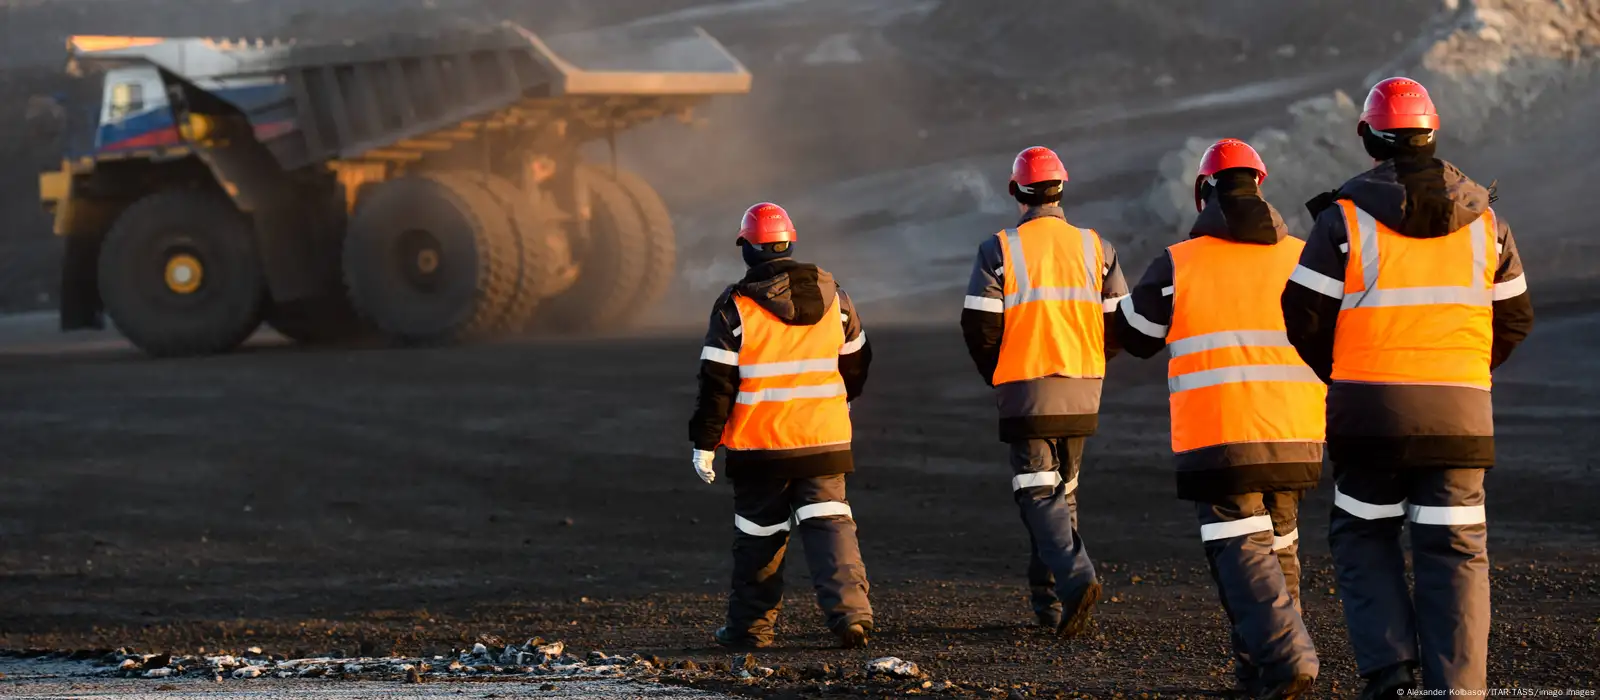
pixel 1480 59
pixel 894 666
pixel 534 658
pixel 548 666
pixel 299 689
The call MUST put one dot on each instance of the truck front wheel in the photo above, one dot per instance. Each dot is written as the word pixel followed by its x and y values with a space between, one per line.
pixel 179 274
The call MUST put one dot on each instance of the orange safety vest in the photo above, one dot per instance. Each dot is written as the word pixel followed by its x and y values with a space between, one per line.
pixel 790 392
pixel 1054 315
pixel 1233 375
pixel 1415 310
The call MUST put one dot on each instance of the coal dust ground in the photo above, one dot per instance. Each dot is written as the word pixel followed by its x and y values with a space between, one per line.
pixel 412 501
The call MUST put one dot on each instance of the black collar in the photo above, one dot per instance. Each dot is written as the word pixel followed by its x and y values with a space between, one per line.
pixel 1040 212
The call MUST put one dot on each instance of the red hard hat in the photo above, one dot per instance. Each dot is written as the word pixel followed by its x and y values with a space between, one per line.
pixel 1225 155
pixel 1037 164
pixel 1231 153
pixel 1399 103
pixel 765 223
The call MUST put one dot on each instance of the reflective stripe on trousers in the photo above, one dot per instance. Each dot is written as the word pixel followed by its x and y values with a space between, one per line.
pixel 1421 515
pixel 1248 526
pixel 1034 479
pixel 806 512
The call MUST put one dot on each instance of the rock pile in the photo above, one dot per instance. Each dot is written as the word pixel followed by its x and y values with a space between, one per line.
pixel 1481 60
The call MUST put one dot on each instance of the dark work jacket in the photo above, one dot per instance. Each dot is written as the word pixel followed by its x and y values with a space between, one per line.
pixel 1407 425
pixel 798 294
pixel 1141 324
pixel 1047 407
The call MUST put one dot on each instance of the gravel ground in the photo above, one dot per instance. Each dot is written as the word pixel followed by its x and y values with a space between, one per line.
pixel 364 503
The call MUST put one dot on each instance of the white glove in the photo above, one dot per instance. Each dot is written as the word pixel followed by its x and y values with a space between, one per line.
pixel 702 465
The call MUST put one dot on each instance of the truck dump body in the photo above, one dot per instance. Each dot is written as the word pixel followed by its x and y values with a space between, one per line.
pixel 428 187
pixel 318 102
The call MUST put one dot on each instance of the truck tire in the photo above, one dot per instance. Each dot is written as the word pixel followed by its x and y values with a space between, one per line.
pixel 545 257
pixel 430 259
pixel 179 274
pixel 611 263
pixel 661 245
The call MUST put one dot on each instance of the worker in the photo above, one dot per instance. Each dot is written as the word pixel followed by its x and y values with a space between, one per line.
pixel 1409 293
pixel 1034 320
pixel 783 357
pixel 1247 413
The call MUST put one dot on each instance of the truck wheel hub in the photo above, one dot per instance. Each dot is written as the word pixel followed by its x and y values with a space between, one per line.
pixel 420 258
pixel 427 261
pixel 184 273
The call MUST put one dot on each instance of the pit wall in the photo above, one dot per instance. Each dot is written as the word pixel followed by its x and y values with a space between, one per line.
pixel 1483 61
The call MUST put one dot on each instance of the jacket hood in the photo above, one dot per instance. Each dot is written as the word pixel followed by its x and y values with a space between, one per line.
pixel 1439 199
pixel 1242 220
pixel 797 293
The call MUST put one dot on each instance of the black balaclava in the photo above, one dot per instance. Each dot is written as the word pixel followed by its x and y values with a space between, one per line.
pixel 1249 218
pixel 1428 208
pixel 758 254
pixel 1039 194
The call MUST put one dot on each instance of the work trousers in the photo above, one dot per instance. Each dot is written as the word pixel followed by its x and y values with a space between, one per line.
pixel 765 510
pixel 1252 544
pixel 1444 625
pixel 1044 484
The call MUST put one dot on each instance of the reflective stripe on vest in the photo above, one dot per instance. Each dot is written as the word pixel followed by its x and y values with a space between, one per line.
pixel 1415 310
pixel 790 392
pixel 1233 376
pixel 1054 313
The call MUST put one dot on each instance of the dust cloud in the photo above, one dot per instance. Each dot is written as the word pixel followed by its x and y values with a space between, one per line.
pixel 886 127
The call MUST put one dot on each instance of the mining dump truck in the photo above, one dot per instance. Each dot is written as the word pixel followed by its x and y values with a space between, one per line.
pixel 424 188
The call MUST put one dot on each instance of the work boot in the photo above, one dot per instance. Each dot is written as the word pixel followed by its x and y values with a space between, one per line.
pixel 1049 618
pixel 1246 679
pixel 854 635
pixel 732 640
pixel 1390 682
pixel 1072 625
pixel 1295 687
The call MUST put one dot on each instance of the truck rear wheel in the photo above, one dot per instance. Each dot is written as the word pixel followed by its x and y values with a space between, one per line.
pixel 179 274
pixel 545 267
pixel 660 242
pixel 431 259
pixel 611 264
